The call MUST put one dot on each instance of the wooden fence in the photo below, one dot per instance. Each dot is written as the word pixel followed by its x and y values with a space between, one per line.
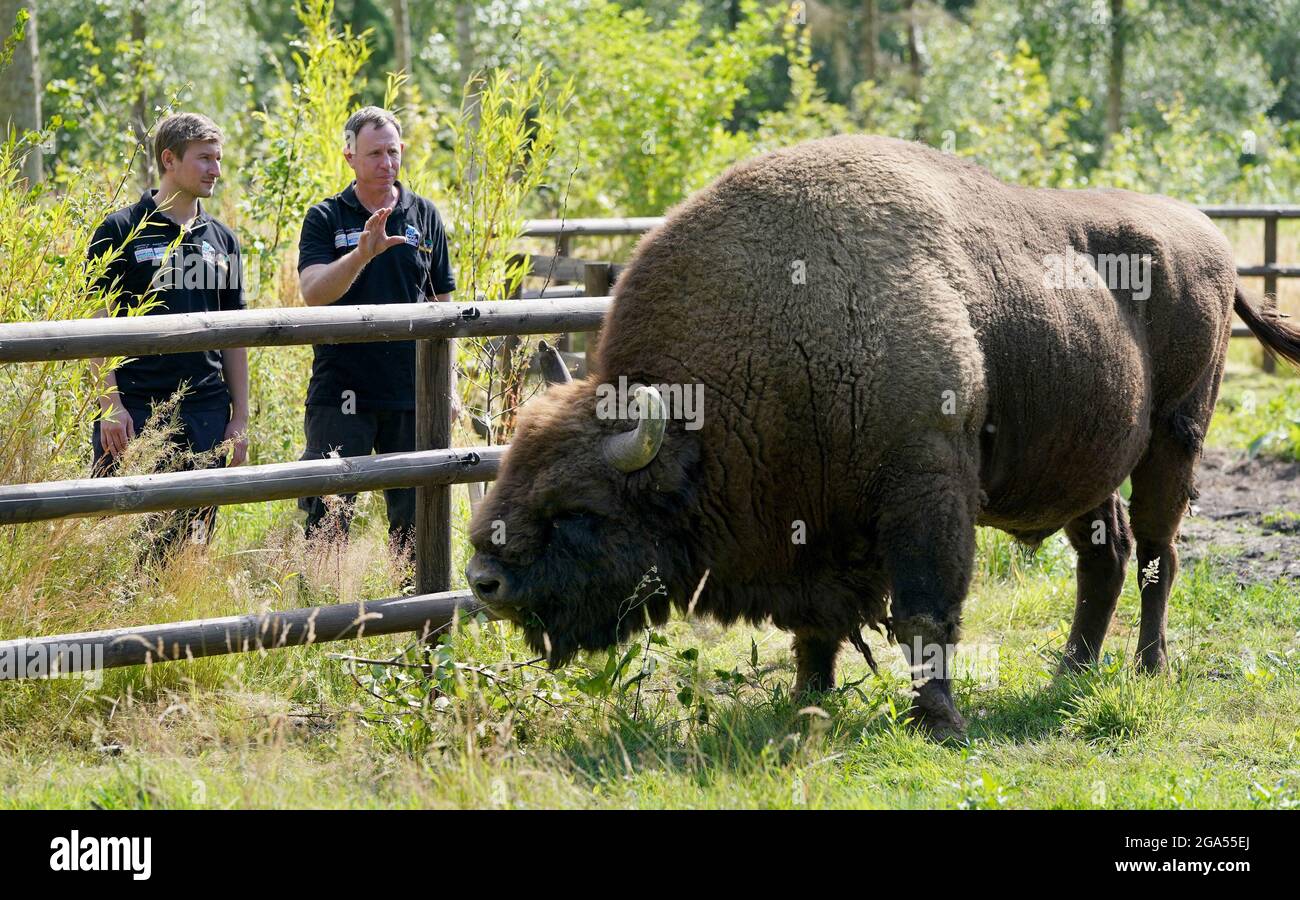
pixel 432 468
pixel 1270 269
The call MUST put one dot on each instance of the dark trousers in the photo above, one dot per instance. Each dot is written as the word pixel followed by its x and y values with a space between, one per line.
pixel 200 431
pixel 329 430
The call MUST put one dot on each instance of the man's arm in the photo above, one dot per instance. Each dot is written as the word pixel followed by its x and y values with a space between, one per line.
pixel 234 361
pixel 234 364
pixel 324 283
pixel 116 429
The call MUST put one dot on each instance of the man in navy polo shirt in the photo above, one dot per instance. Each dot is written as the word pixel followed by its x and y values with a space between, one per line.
pixel 376 242
pixel 171 253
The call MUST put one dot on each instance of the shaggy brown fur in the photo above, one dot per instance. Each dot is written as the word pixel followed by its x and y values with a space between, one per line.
pixel 923 378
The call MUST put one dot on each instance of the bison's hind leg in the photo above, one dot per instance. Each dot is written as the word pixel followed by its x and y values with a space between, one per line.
pixel 1163 486
pixel 1102 541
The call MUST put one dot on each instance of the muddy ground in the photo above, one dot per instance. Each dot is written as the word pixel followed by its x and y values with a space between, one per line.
pixel 1247 516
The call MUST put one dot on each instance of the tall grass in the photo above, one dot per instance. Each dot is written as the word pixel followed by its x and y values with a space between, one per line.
pixel 48 409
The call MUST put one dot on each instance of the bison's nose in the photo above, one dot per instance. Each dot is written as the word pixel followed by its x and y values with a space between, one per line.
pixel 488 580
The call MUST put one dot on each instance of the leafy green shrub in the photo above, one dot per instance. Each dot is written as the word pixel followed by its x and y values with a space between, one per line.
pixel 1260 426
pixel 649 123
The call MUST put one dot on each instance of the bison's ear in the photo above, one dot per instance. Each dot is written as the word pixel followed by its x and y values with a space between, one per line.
pixel 554 370
pixel 630 451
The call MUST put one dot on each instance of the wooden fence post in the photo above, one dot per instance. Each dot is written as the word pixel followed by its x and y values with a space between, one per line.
pixel 595 280
pixel 432 432
pixel 565 340
pixel 1270 281
pixel 512 383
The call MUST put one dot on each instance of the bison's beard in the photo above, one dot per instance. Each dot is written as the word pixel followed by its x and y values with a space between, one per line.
pixel 561 626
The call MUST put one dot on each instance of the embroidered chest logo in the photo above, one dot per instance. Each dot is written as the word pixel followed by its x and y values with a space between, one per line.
pixel 213 257
pixel 412 235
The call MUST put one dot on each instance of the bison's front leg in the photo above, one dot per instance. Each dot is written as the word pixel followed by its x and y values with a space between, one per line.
pixel 927 529
pixel 814 655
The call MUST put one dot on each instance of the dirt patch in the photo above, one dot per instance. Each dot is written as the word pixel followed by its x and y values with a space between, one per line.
pixel 1248 515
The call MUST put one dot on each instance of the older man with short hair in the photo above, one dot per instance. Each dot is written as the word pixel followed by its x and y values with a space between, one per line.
pixel 375 242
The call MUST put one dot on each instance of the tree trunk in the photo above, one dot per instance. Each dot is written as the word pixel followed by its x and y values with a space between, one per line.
pixel 915 64
pixel 1115 79
pixel 465 50
pixel 402 36
pixel 20 85
pixel 870 39
pixel 140 107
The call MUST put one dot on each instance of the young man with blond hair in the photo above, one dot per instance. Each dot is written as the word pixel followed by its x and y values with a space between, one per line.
pixel 173 253
pixel 375 242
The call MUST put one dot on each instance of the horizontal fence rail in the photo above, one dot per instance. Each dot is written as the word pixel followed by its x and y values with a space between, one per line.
pixel 1252 211
pixel 639 224
pixel 424 614
pixel 246 484
pixel 1269 270
pixel 182 332
pixel 1268 212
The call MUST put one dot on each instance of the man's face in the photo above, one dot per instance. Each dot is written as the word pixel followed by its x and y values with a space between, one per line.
pixel 376 156
pixel 197 171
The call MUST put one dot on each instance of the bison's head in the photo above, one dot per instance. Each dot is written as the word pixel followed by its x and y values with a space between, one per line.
pixel 579 539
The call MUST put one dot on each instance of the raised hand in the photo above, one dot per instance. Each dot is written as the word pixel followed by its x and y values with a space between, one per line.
pixel 374 240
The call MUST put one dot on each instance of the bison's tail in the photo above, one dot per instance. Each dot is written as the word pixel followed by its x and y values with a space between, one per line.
pixel 1277 336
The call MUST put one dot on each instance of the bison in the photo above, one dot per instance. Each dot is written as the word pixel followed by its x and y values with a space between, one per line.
pixel 893 347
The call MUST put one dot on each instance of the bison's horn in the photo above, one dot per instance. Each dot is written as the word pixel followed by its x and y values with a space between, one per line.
pixel 633 450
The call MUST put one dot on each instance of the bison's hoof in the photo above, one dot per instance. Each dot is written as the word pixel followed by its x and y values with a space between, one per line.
pixel 812 688
pixel 1072 663
pixel 1152 661
pixel 938 721
pixel 940 729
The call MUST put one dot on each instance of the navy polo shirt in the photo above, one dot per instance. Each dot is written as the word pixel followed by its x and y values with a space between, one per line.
pixel 196 269
pixel 379 375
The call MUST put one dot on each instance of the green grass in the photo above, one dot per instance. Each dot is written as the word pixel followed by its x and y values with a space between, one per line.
pixel 293 728
pixel 711 723
pixel 1257 413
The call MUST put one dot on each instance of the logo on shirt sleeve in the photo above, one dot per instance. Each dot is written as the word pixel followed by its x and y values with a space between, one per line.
pixel 348 237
